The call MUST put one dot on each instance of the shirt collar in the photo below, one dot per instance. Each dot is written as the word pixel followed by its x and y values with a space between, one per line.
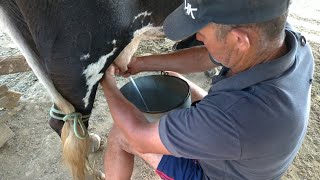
pixel 260 72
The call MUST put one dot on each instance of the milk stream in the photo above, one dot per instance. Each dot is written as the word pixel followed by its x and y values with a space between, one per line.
pixel 136 87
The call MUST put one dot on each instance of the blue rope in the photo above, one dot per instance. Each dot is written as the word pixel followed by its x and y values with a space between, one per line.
pixel 77 119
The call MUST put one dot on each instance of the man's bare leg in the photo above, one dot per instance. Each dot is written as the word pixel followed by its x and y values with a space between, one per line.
pixel 119 157
pixel 118 163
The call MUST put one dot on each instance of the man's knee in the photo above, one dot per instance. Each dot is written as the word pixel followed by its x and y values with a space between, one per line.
pixel 116 138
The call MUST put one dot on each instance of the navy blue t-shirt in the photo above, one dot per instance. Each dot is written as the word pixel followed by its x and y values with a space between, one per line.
pixel 250 125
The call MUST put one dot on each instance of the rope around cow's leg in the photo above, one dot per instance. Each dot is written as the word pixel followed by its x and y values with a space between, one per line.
pixel 95 140
pixel 77 119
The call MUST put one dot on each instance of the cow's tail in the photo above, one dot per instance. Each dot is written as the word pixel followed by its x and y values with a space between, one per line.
pixel 75 151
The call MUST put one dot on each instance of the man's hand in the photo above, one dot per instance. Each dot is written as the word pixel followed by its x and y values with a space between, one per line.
pixel 133 66
pixel 108 78
pixel 113 70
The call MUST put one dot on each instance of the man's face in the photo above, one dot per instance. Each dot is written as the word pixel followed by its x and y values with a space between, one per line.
pixel 220 49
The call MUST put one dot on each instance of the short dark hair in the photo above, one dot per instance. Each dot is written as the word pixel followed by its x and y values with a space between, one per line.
pixel 270 30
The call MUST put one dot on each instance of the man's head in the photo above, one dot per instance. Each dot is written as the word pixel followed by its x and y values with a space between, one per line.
pixel 193 15
pixel 231 29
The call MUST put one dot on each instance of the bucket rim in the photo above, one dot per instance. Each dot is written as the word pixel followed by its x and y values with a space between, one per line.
pixel 188 94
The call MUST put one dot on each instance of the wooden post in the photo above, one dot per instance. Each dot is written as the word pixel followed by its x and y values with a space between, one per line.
pixel 3 89
pixel 10 65
pixel 5 134
pixel 9 99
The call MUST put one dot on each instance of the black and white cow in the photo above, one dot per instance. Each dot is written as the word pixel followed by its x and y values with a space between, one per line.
pixel 69 44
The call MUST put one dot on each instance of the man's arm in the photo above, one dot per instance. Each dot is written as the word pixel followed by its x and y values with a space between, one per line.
pixel 141 135
pixel 195 59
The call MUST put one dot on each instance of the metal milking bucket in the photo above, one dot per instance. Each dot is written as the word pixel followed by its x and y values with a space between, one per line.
pixel 161 94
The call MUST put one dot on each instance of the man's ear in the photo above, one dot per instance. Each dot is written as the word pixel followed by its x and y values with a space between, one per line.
pixel 241 37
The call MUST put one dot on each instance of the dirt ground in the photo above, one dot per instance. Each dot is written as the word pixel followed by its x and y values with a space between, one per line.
pixel 35 152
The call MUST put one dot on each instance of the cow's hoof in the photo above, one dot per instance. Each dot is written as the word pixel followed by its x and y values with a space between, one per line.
pixel 91 172
pixel 100 175
pixel 95 142
pixel 96 175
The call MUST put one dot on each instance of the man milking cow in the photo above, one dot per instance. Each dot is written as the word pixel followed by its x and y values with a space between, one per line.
pixel 251 123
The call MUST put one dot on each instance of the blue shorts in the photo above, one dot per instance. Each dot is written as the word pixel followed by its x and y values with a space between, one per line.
pixel 173 168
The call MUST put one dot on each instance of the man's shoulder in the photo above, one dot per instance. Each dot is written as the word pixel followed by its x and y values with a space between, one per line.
pixel 224 100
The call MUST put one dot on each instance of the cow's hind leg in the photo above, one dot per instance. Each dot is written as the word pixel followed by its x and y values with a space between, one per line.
pixel 17 29
pixel 56 125
pixel 74 150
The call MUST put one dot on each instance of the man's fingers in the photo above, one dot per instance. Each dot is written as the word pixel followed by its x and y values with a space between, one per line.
pixel 116 71
pixel 124 74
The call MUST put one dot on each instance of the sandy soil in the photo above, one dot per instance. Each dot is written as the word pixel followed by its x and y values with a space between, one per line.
pixel 35 153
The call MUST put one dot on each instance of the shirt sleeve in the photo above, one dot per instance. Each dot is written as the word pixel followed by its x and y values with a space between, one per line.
pixel 201 132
